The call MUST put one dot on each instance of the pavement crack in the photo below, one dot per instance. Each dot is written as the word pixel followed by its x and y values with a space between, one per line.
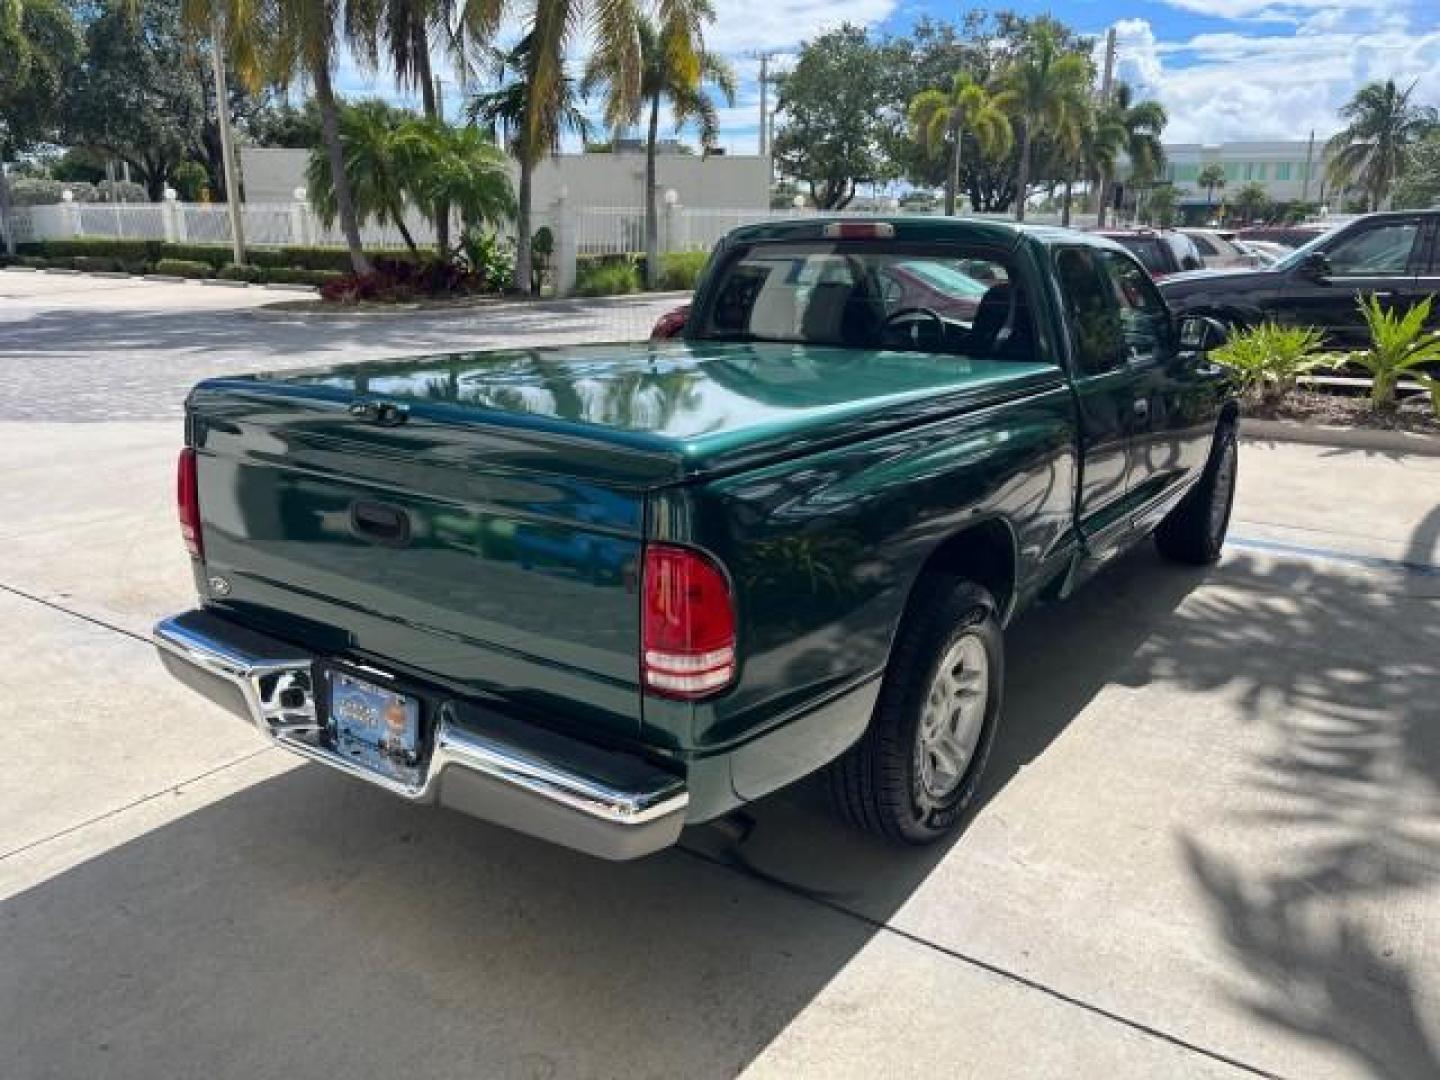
pixel 53 606
pixel 133 803
pixel 880 926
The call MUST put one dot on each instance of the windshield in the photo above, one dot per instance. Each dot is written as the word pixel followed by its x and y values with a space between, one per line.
pixel 1149 250
pixel 1296 257
pixel 904 297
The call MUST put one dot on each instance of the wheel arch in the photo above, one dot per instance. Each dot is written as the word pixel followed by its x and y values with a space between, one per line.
pixel 983 551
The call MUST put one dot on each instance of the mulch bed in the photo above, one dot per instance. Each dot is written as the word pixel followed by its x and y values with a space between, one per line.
pixel 1341 410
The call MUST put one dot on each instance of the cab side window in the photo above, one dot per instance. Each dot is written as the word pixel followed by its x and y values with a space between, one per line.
pixel 1144 319
pixel 1384 249
pixel 1090 310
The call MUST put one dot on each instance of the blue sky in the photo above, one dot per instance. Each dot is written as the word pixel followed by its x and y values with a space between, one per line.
pixel 1225 69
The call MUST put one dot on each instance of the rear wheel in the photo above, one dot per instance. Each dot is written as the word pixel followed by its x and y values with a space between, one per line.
pixel 916 770
pixel 1194 532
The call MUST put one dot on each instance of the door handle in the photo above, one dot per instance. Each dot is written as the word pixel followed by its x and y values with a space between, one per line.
pixel 380 523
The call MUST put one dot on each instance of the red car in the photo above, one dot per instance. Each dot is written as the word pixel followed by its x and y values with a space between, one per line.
pixel 933 286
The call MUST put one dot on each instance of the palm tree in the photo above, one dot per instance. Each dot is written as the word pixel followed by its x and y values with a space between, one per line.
pixel 1089 141
pixel 1141 124
pixel 1250 202
pixel 1039 88
pixel 378 166
pixel 457 167
pixel 508 112
pixel 1212 176
pixel 940 117
pixel 395 160
pixel 303 40
pixel 1381 125
pixel 401 32
pixel 674 66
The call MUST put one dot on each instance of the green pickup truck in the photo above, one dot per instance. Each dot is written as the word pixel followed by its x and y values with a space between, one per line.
pixel 599 593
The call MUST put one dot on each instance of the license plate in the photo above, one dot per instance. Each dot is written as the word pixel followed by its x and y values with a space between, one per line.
pixel 374 725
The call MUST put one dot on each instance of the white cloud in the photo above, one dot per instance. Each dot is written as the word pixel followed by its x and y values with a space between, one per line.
pixel 1233 86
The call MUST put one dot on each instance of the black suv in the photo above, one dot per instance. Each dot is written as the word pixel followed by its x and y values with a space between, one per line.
pixel 1394 256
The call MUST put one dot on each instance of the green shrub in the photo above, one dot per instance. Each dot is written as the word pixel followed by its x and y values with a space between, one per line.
pixel 213 255
pixel 186 268
pixel 247 272
pixel 1398 344
pixel 337 259
pixel 681 269
pixel 607 279
pixel 32 261
pixel 60 262
pixel 1268 359
pixel 146 251
pixel 97 263
pixel 284 275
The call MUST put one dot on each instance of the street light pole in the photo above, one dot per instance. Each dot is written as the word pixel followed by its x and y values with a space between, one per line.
pixel 227 142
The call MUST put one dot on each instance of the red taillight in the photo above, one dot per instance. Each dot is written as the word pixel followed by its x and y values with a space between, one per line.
pixel 688 624
pixel 187 499
pixel 859 230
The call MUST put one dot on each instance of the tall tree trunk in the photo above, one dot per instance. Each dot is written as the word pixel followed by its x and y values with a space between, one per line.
pixel 952 181
pixel 7 212
pixel 652 223
pixel 330 135
pixel 432 110
pixel 524 282
pixel 1102 200
pixel 1065 205
pixel 1022 182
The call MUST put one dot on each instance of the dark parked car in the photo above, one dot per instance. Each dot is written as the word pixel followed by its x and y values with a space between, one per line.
pixel 1163 251
pixel 1292 236
pixel 1392 256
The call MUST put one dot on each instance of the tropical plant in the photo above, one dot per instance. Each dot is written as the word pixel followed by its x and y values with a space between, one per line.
pixel 1138 126
pixel 1419 184
pixel 1399 343
pixel 377 152
pixel 1381 125
pixel 455 168
pixel 1162 207
pixel 396 160
pixel 508 111
pixel 674 66
pixel 942 118
pixel 1041 88
pixel 1251 202
pixel 1268 359
pixel 1211 178
pixel 402 32
pixel 1432 387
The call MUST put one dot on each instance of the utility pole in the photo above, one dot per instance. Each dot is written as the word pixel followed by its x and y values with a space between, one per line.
pixel 1309 160
pixel 764 103
pixel 227 141
pixel 1107 80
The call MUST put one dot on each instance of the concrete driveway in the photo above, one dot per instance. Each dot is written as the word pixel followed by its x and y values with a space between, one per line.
pixel 1209 844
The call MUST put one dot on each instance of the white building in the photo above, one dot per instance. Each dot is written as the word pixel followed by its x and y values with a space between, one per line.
pixel 722 181
pixel 1288 171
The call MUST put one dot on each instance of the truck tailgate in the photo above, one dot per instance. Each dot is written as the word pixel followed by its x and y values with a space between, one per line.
pixel 458 551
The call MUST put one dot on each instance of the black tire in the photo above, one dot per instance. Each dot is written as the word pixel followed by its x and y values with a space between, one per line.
pixel 1194 532
pixel 880 783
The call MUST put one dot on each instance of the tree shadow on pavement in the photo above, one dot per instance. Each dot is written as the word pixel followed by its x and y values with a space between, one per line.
pixel 1342 680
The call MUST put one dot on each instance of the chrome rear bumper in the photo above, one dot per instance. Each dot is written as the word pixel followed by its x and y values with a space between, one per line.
pixel 608 804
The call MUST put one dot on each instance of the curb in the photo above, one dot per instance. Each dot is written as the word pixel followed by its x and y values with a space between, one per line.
pixel 1385 442
pixel 20 269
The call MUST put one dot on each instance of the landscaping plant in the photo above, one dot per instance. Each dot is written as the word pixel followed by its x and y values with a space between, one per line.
pixel 1399 344
pixel 1268 359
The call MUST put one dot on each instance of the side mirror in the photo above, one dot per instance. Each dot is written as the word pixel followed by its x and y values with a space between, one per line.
pixel 1315 265
pixel 1200 334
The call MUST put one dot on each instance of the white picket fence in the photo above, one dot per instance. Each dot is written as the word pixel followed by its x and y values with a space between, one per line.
pixel 265 224
pixel 577 231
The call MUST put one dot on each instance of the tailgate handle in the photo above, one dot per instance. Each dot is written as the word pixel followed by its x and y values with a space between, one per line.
pixel 381 523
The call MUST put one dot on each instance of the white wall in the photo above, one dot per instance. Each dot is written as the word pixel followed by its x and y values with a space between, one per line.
pixel 590 180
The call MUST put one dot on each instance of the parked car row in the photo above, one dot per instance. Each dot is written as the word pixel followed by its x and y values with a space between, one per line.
pixel 1241 279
